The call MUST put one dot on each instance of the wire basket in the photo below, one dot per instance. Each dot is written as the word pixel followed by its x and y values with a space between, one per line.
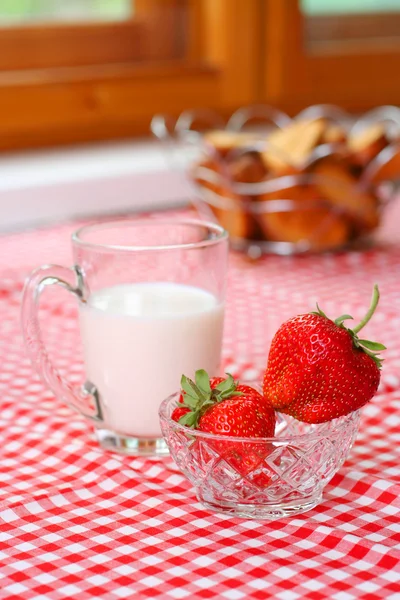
pixel 323 189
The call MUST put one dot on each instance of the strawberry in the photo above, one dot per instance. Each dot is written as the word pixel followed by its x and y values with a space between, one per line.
pixel 223 407
pixel 226 408
pixel 247 415
pixel 318 369
pixel 179 411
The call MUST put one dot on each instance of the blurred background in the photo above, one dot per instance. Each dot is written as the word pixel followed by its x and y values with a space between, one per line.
pixel 79 72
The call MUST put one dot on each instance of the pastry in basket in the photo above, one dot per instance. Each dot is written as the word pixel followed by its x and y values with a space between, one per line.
pixel 289 148
pixel 309 220
pixel 232 210
pixel 247 168
pixel 364 145
pixel 334 134
pixel 335 184
pixel 234 214
pixel 224 141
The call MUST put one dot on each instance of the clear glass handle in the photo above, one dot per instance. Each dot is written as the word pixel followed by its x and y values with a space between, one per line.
pixel 71 280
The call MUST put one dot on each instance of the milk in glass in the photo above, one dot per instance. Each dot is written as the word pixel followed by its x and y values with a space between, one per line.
pixel 138 339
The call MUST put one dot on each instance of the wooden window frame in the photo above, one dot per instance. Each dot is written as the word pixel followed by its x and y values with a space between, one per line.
pixel 297 74
pixel 69 104
pixel 151 35
pixel 240 52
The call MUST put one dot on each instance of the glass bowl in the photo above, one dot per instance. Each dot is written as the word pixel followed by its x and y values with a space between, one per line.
pixel 260 478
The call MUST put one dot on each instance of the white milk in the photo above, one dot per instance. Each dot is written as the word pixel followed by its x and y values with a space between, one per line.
pixel 138 339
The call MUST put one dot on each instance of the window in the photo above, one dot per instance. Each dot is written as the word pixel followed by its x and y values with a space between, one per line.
pixel 332 51
pixel 376 21
pixel 23 12
pixel 53 33
pixel 66 79
pixel 98 69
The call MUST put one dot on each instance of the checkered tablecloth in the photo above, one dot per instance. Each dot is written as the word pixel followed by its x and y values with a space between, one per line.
pixel 77 522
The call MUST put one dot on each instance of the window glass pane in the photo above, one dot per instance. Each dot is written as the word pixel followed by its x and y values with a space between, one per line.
pixel 367 21
pixel 331 7
pixel 31 12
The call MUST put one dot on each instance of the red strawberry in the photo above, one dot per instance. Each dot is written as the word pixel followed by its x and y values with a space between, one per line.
pixel 224 407
pixel 319 370
pixel 247 415
pixel 179 411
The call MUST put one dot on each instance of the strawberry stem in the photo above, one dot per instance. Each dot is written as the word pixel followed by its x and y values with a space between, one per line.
pixel 371 310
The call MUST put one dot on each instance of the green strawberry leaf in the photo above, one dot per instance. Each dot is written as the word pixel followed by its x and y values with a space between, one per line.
pixel 189 401
pixel 207 403
pixel 189 419
pixel 203 381
pixel 374 346
pixel 342 318
pixel 227 385
pixel 319 312
pixel 190 388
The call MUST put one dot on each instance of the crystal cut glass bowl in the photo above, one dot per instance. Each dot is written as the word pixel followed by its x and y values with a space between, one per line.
pixel 260 478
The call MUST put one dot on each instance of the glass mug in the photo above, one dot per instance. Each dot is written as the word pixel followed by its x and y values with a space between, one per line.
pixel 151 307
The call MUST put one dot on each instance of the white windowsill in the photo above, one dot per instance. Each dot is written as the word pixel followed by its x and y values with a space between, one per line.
pixel 46 186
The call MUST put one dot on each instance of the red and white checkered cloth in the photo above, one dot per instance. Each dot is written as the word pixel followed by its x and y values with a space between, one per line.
pixel 78 522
